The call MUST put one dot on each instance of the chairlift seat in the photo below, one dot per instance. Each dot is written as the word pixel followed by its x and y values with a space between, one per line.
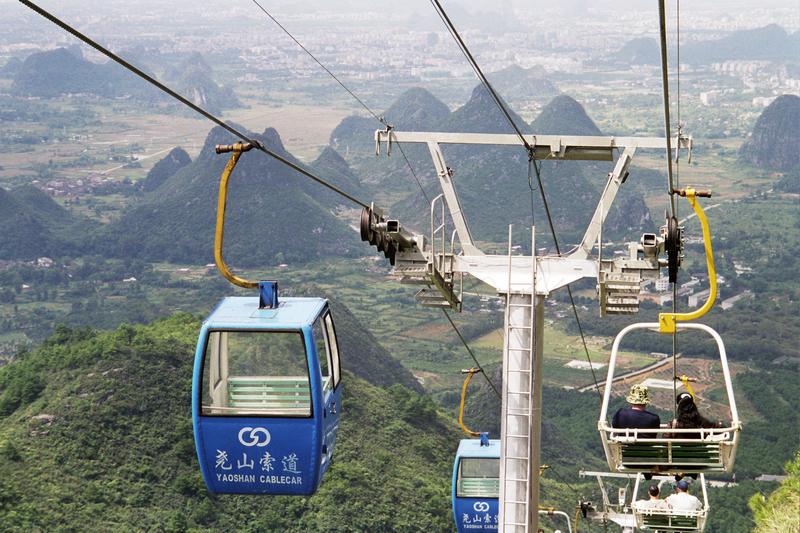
pixel 668 522
pixel 638 450
pixel 680 456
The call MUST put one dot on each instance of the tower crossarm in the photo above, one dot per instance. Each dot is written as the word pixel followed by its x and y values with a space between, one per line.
pixel 552 272
pixel 560 147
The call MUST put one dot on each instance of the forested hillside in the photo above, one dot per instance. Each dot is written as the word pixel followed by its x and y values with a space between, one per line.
pixel 65 71
pixel 95 434
pixel 780 511
pixel 776 136
pixel 274 215
pixel 36 225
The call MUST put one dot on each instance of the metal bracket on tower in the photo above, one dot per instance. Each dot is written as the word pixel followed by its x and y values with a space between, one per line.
pixel 619 279
pixel 683 141
pixel 617 512
pixel 445 175
pixel 615 179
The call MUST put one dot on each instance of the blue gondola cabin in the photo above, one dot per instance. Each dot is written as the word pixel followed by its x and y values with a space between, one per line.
pixel 266 396
pixel 476 486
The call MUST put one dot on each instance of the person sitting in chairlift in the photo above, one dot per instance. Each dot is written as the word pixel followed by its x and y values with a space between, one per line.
pixel 682 500
pixel 689 417
pixel 654 502
pixel 637 416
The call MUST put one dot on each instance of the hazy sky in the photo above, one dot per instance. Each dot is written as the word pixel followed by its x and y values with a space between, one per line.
pixel 787 12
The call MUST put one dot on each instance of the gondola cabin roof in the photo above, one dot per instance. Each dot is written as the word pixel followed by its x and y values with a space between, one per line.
pixel 473 448
pixel 242 312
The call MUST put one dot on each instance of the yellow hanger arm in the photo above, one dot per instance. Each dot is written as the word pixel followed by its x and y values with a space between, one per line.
pixel 219 235
pixel 668 321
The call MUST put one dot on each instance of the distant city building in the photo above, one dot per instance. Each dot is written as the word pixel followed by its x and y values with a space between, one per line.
pixel 709 98
pixel 662 284
pixel 44 262
pixel 698 297
pixel 584 365
pixel 730 302
pixel 772 477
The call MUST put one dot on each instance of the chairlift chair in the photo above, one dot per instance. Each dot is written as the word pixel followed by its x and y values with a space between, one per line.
pixel 669 520
pixel 627 450
pixel 691 450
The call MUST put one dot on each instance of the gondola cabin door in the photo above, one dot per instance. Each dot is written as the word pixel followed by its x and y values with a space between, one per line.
pixel 266 396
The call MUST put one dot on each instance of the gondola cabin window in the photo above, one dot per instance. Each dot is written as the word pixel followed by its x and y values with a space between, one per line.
pixel 330 336
pixel 251 373
pixel 478 478
pixel 323 354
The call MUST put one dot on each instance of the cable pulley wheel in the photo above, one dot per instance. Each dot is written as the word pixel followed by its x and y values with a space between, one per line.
pixel 672 245
pixel 374 236
pixel 366 225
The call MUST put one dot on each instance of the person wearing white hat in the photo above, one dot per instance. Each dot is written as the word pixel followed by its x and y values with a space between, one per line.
pixel 682 500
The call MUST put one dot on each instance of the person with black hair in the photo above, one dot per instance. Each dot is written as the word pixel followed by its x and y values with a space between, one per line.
pixel 689 417
pixel 654 502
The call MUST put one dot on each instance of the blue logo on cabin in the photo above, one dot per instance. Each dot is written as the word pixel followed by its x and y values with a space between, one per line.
pixel 248 458
pixel 476 514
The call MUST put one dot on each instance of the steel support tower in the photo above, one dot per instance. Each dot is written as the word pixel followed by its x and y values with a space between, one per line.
pixel 524 282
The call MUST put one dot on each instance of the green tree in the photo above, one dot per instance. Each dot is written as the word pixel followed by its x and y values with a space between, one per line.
pixel 780 511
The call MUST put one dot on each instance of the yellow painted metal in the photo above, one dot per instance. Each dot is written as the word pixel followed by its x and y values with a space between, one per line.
pixel 667 322
pixel 471 372
pixel 685 380
pixel 236 151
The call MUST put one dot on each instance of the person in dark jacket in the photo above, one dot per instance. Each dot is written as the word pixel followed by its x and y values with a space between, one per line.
pixel 637 415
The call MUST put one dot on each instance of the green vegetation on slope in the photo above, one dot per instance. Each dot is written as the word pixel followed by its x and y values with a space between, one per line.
pixel 776 136
pixel 274 215
pixel 781 510
pixel 96 435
